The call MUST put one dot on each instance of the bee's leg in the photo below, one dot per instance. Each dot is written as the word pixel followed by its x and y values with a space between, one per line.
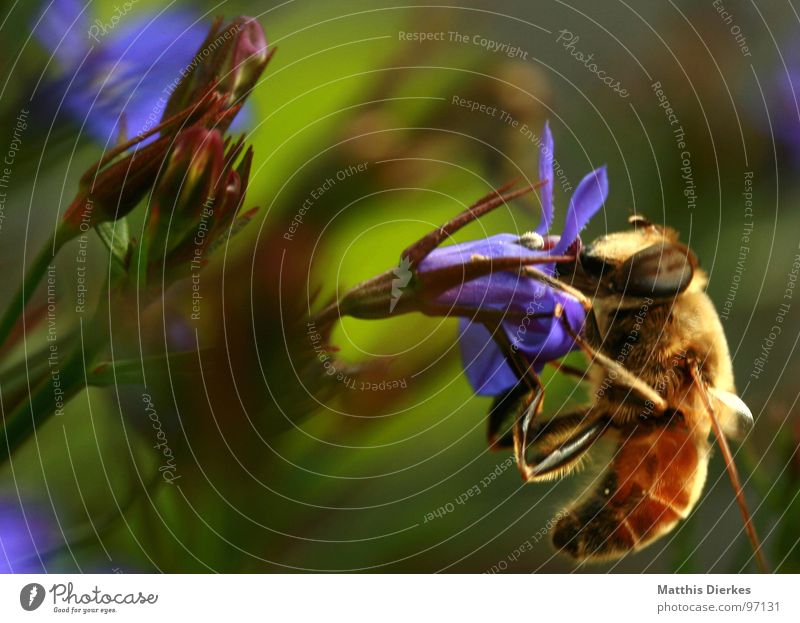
pixel 486 316
pixel 572 371
pixel 439 280
pixel 502 416
pixel 730 465
pixel 557 284
pixel 543 450
pixel 556 447
pixel 623 377
pixel 528 399
pixel 423 247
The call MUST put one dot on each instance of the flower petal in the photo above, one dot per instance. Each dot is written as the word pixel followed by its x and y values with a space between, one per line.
pixel 586 201
pixel 484 364
pixel 24 536
pixel 547 339
pixel 503 291
pixel 539 340
pixel 499 245
pixel 130 73
pixel 62 29
pixel 546 175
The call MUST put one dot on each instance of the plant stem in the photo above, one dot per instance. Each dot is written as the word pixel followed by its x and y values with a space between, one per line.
pixel 32 278
pixel 23 421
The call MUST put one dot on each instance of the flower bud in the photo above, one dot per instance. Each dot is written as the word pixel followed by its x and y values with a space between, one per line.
pixel 110 192
pixel 186 188
pixel 230 61
pixel 196 199
pixel 250 57
pixel 114 185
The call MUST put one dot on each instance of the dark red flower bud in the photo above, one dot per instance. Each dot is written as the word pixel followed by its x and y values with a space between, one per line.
pixel 230 62
pixel 196 199
pixel 250 56
pixel 110 192
pixel 114 185
pixel 186 190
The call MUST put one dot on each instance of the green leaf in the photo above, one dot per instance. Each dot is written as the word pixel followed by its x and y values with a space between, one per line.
pixel 116 236
pixel 129 371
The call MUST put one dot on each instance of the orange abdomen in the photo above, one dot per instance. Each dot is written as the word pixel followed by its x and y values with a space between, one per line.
pixel 653 482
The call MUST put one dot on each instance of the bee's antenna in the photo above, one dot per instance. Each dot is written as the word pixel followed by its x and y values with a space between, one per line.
pixel 425 245
pixel 732 472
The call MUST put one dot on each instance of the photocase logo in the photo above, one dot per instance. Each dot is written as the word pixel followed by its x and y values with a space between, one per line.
pixel 403 276
pixel 31 596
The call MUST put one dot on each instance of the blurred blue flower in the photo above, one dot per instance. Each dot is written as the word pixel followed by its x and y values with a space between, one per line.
pixel 785 106
pixel 24 535
pixel 539 339
pixel 123 71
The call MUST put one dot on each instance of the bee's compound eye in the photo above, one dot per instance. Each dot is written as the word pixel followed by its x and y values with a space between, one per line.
pixel 593 265
pixel 659 270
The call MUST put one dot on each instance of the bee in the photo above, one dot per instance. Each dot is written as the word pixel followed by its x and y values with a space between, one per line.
pixel 660 377
pixel 661 380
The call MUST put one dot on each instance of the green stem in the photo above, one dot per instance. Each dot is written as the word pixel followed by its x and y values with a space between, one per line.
pixel 18 373
pixel 129 371
pixel 32 278
pixel 15 389
pixel 43 402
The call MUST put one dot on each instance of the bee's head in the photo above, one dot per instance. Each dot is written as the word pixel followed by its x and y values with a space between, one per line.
pixel 646 261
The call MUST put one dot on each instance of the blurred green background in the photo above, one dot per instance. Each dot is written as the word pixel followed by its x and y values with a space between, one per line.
pixel 282 469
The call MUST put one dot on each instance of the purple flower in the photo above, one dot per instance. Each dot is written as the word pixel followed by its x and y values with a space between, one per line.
pixel 539 339
pixel 125 70
pixel 785 106
pixel 24 535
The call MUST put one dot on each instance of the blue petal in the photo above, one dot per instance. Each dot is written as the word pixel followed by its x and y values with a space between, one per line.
pixel 546 174
pixel 62 29
pixel 586 201
pixel 484 364
pixel 498 291
pixel 132 74
pixel 500 245
pixel 547 339
pixel 24 535
pixel 539 340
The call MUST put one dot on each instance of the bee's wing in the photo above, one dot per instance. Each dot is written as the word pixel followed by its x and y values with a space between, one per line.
pixel 742 420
